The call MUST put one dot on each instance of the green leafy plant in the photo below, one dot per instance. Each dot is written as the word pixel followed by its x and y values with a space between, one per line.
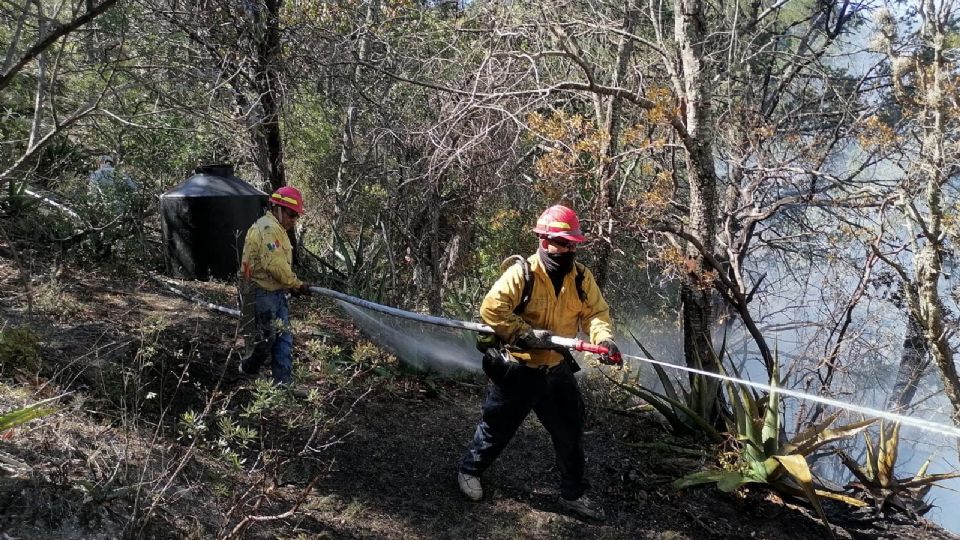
pixel 20 349
pixel 23 415
pixel 876 482
pixel 687 411
pixel 759 454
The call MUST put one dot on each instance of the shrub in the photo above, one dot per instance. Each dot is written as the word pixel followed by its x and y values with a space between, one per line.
pixel 20 349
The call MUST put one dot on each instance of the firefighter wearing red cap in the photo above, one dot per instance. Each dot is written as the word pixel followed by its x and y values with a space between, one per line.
pixel 532 374
pixel 267 276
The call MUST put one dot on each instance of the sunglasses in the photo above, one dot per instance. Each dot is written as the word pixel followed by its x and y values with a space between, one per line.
pixel 562 243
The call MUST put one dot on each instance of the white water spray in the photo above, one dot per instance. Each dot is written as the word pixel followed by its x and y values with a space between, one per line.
pixel 920 423
pixel 446 350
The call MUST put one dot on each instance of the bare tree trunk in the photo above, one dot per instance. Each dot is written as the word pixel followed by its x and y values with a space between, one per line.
pixel 612 127
pixel 267 136
pixel 932 317
pixel 912 366
pixel 690 32
pixel 342 191
pixel 929 263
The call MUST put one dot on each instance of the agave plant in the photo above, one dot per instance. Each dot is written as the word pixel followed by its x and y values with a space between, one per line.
pixel 877 483
pixel 687 411
pixel 758 451
pixel 763 456
pixel 357 268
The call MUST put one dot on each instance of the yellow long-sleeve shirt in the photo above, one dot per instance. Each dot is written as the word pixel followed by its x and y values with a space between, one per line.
pixel 562 315
pixel 268 256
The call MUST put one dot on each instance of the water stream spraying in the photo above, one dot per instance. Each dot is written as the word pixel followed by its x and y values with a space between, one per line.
pixel 876 413
pixel 424 346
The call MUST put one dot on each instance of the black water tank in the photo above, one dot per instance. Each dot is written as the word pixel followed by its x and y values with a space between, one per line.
pixel 204 221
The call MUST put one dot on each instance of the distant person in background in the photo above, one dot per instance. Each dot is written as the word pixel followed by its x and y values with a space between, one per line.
pixel 106 181
pixel 266 278
pixel 117 209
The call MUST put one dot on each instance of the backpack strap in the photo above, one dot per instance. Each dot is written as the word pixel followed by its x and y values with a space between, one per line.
pixel 581 269
pixel 528 281
pixel 527 291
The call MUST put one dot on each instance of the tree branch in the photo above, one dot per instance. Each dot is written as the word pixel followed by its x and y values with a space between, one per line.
pixel 56 32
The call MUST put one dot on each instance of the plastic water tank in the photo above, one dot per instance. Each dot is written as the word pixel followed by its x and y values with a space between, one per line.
pixel 204 222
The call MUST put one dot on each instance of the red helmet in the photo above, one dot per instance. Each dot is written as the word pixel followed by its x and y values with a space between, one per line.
pixel 559 222
pixel 288 197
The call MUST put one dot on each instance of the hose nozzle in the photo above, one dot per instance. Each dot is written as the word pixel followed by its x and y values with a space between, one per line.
pixel 581 345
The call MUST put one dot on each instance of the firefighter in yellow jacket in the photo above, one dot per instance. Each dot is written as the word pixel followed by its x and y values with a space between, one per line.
pixel 534 375
pixel 267 276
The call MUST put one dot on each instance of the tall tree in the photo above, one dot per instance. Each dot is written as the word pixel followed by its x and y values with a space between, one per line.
pixel 923 75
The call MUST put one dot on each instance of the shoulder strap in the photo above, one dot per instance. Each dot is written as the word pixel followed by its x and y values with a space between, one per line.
pixel 527 281
pixel 579 282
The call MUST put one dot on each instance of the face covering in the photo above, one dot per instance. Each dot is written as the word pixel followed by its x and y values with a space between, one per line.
pixel 558 265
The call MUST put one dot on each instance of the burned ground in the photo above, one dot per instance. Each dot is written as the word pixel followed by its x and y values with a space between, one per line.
pixel 156 436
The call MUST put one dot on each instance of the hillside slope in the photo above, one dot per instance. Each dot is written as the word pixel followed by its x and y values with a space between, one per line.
pixel 157 437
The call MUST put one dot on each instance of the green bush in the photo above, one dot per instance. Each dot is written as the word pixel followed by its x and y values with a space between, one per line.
pixel 20 349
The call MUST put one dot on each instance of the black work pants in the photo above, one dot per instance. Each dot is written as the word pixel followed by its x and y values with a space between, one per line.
pixel 554 396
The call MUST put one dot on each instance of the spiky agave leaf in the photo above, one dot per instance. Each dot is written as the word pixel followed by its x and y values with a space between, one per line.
pixel 887 447
pixel 927 480
pixel 699 478
pixel 862 474
pixel 823 494
pixel 770 433
pixel 796 466
pixel 811 439
pixel 23 415
pixel 747 420
pixel 726 481
pixel 870 459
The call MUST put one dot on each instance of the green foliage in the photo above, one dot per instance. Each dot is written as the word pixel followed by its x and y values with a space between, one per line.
pixel 234 437
pixel 312 142
pixel 20 349
pixel 23 415
pixel 366 353
pixel 687 411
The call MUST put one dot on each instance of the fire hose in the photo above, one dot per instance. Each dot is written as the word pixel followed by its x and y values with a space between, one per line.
pixel 567 343
pixel 580 345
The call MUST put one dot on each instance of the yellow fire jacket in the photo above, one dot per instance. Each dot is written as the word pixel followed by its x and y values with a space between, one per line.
pixel 563 315
pixel 268 256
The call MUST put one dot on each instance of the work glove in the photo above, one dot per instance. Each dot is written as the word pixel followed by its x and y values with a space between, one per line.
pixel 487 341
pixel 534 339
pixel 302 290
pixel 612 358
